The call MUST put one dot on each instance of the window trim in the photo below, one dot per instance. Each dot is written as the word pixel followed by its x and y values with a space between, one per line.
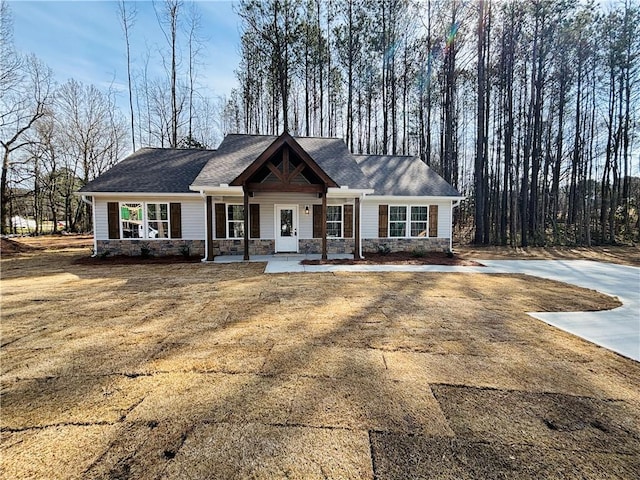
pixel 411 222
pixel 341 222
pixel 145 220
pixel 408 221
pixel 227 221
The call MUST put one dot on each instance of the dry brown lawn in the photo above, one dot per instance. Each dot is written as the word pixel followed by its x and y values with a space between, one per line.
pixel 220 371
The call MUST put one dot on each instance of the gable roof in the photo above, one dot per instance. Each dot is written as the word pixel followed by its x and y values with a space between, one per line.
pixel 166 170
pixel 237 152
pixel 152 170
pixel 284 140
pixel 403 176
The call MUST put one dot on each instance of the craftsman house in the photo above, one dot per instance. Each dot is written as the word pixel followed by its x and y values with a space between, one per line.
pixel 263 194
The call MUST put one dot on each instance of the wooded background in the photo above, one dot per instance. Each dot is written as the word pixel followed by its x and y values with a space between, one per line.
pixel 529 108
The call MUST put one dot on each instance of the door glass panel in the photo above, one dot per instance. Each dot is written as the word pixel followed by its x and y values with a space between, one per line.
pixel 286 223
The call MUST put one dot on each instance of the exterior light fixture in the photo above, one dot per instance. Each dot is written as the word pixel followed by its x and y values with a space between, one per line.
pixel 306 209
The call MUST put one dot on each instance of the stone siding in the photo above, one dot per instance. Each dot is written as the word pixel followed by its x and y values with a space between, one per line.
pixel 157 248
pixel 236 247
pixel 374 245
pixel 267 247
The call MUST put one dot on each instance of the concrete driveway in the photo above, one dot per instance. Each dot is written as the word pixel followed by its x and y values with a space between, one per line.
pixel 617 329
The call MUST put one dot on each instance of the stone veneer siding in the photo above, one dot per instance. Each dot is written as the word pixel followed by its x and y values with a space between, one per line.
pixel 374 245
pixel 156 247
pixel 267 247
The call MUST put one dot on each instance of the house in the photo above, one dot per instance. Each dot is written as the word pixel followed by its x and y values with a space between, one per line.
pixel 260 194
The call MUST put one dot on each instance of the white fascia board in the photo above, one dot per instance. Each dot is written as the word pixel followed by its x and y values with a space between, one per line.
pixel 342 192
pixel 225 191
pixel 400 199
pixel 136 194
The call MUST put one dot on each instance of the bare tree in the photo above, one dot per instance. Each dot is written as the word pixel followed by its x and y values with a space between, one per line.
pixel 25 100
pixel 127 19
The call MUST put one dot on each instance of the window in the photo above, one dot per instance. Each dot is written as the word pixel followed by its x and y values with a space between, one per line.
pixel 419 221
pixel 134 223
pixel 235 221
pixel 397 221
pixel 158 220
pixel 131 220
pixel 408 221
pixel 334 221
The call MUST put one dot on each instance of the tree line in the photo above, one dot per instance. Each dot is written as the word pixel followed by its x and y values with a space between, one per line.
pixel 57 137
pixel 529 108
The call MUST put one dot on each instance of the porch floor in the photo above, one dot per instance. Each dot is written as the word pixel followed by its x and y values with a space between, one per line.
pixel 282 257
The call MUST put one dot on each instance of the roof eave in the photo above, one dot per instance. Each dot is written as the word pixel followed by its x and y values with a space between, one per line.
pixel 135 194
pixel 410 198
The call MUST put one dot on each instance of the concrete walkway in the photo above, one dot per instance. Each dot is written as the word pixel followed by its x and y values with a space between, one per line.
pixel 617 329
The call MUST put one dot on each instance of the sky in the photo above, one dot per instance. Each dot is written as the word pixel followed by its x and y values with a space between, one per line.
pixel 84 40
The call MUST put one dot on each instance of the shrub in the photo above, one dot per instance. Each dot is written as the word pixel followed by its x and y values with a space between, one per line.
pixel 383 249
pixel 418 253
pixel 145 251
pixel 104 254
pixel 185 251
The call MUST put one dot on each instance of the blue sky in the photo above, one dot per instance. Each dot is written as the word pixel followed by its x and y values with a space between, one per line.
pixel 84 40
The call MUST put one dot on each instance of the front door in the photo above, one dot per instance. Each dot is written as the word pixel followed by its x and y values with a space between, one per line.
pixel 286 228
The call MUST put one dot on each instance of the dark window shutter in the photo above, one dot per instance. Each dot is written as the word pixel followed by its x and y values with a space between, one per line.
pixel 433 220
pixel 383 221
pixel 221 220
pixel 317 221
pixel 254 218
pixel 113 219
pixel 175 212
pixel 348 221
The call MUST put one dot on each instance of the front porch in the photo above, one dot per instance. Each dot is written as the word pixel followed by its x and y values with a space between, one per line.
pixel 283 202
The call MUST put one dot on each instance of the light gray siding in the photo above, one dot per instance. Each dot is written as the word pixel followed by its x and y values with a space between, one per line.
pixel 370 215
pixel 192 213
pixel 267 202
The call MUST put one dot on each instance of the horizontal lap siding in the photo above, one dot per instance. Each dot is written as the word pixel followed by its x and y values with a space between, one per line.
pixel 193 226
pixel 192 211
pixel 268 201
pixel 370 216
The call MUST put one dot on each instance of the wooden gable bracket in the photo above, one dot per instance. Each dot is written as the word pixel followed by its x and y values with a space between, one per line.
pixel 286 176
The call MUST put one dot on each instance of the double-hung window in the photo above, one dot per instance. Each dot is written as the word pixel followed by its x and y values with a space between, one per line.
pixel 157 220
pixel 334 221
pixel 419 221
pixel 144 220
pixel 131 220
pixel 408 221
pixel 397 221
pixel 235 221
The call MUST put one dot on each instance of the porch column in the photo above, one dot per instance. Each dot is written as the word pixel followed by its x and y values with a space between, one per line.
pixel 209 211
pixel 246 224
pixel 356 245
pixel 324 224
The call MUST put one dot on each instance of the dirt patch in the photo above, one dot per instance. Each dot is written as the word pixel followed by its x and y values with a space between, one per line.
pixel 182 369
pixel 12 247
pixel 623 255
pixel 400 258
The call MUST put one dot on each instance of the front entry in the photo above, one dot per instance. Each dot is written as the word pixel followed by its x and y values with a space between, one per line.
pixel 286 228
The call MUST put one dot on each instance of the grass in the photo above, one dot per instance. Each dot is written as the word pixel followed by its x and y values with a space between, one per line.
pixel 220 371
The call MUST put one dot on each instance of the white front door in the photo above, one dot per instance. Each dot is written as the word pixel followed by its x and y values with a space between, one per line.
pixel 286 228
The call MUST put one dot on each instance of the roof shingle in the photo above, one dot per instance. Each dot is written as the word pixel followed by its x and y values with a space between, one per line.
pixel 403 176
pixel 152 170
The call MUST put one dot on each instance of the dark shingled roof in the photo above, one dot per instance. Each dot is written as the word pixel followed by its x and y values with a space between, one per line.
pixel 165 170
pixel 153 170
pixel 403 176
pixel 237 152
